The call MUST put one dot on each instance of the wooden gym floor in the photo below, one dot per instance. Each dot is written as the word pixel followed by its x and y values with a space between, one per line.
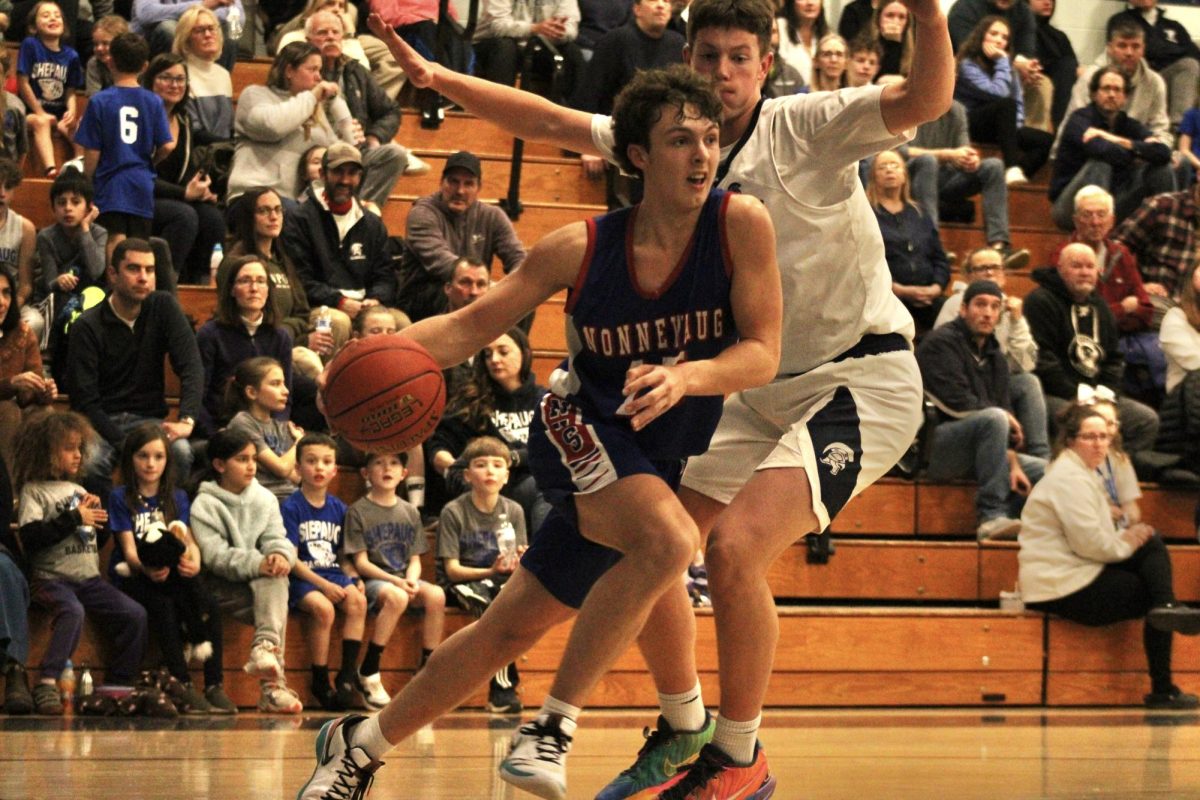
pixel 824 755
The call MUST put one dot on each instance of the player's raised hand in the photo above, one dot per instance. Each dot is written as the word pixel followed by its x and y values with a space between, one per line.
pixel 416 69
pixel 650 391
pixel 923 10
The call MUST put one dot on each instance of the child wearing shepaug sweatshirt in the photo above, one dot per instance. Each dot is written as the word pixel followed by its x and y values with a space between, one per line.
pixel 243 545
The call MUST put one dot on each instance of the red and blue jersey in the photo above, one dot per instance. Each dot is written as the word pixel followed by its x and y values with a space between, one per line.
pixel 613 323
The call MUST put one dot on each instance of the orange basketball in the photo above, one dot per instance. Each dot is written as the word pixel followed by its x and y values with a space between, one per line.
pixel 384 393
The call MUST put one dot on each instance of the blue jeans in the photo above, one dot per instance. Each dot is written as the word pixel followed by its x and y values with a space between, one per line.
pixel 931 181
pixel 1029 407
pixel 977 446
pixel 99 474
pixel 14 612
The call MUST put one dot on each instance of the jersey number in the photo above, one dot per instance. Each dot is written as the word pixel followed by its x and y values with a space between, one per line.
pixel 129 126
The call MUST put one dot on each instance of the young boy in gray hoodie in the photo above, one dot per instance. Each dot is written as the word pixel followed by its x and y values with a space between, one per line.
pixel 247 554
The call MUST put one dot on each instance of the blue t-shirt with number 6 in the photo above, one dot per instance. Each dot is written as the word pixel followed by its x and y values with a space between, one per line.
pixel 126 124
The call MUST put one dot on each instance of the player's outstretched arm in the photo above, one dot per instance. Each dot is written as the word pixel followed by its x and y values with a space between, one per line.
pixel 756 297
pixel 524 114
pixel 551 266
pixel 927 91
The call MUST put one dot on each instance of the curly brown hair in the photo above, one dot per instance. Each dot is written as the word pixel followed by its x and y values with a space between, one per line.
pixel 639 106
pixel 41 437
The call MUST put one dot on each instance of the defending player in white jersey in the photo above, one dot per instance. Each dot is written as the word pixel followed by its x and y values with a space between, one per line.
pixel 787 457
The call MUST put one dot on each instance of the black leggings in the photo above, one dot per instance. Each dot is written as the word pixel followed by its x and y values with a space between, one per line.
pixel 168 605
pixel 1024 147
pixel 1123 591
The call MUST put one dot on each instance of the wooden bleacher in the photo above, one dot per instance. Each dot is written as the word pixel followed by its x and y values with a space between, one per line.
pixel 904 614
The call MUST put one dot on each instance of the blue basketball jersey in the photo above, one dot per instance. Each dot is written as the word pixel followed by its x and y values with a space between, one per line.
pixel 613 324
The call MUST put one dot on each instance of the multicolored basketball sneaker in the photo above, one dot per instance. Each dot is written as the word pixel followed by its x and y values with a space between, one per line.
pixel 714 776
pixel 665 752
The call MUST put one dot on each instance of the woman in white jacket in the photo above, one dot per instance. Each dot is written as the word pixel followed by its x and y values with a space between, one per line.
pixel 1076 563
pixel 277 123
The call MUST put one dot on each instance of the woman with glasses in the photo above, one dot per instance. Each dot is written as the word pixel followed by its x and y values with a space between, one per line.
pixel 186 213
pixel 244 325
pixel 199 40
pixel 829 70
pixel 1076 561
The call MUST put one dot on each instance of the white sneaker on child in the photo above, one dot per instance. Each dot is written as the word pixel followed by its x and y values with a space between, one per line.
pixel 372 691
pixel 537 762
pixel 263 663
pixel 74 163
pixel 278 699
pixel 343 771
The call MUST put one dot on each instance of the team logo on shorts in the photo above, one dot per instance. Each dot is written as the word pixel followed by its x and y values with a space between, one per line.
pixel 837 456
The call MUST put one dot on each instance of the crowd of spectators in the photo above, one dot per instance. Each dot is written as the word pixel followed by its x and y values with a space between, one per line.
pixel 311 158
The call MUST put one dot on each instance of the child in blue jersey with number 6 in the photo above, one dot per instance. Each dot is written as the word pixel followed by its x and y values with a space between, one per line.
pixel 671 305
pixel 124 133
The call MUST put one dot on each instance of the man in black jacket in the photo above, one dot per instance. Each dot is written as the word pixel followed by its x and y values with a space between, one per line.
pixel 115 374
pixel 341 252
pixel 1170 51
pixel 376 116
pixel 1077 341
pixel 966 377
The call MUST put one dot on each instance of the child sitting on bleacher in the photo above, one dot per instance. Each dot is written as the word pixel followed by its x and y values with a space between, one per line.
pixel 258 391
pixel 99 71
pixel 472 568
pixel 48 75
pixel 185 620
pixel 125 133
pixel 14 138
pixel 318 586
pixel 247 554
pixel 385 539
pixel 65 578
pixel 70 255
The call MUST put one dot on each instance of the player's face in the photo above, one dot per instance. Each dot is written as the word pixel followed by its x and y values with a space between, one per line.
pixel 149 462
pixel 1091 443
pixel 468 284
pixel 133 279
pixel 70 209
pixel 101 41
pixel 49 20
pixel 268 216
pixel 731 58
pixel 652 16
pixel 997 35
pixel 892 21
pixel 271 394
pixel 487 474
pixel 503 360
pixel 1079 273
pixel 251 289
pixel 1093 220
pixel 318 464
pixel 863 68
pixel 1126 52
pixel 982 314
pixel 460 190
pixel 204 41
pixel 342 182
pixel 237 472
pixel 326 34
pixel 171 85
pixel 384 472
pixel 682 159
pixel 305 75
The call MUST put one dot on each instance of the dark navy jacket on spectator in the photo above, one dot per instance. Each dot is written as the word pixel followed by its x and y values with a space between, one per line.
pixel 620 54
pixel 962 378
pixel 598 17
pixel 913 249
pixel 112 368
pixel 222 348
pixel 1073 152
pixel 1167 41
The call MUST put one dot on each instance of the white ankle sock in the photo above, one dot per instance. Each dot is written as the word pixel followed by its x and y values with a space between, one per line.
pixel 369 736
pixel 736 739
pixel 565 711
pixel 683 711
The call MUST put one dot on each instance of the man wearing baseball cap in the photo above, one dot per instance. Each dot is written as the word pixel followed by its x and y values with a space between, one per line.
pixel 341 252
pixel 966 376
pixel 449 225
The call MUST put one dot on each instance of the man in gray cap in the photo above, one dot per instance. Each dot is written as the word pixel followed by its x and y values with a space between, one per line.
pixel 341 251
pixel 978 436
pixel 449 225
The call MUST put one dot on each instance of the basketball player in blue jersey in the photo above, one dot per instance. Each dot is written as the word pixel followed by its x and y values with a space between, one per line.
pixel 671 305
pixel 786 457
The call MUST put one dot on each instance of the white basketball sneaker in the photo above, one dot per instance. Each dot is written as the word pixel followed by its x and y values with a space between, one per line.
pixel 343 772
pixel 537 762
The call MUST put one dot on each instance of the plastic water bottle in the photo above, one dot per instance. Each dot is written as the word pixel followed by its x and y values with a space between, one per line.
pixel 86 532
pixel 218 255
pixel 235 22
pixel 66 684
pixel 86 684
pixel 324 322
pixel 506 538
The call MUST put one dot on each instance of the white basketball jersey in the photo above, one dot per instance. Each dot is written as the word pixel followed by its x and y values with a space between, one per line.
pixel 801 159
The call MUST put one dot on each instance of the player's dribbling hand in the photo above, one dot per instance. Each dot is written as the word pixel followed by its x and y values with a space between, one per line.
pixel 651 389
